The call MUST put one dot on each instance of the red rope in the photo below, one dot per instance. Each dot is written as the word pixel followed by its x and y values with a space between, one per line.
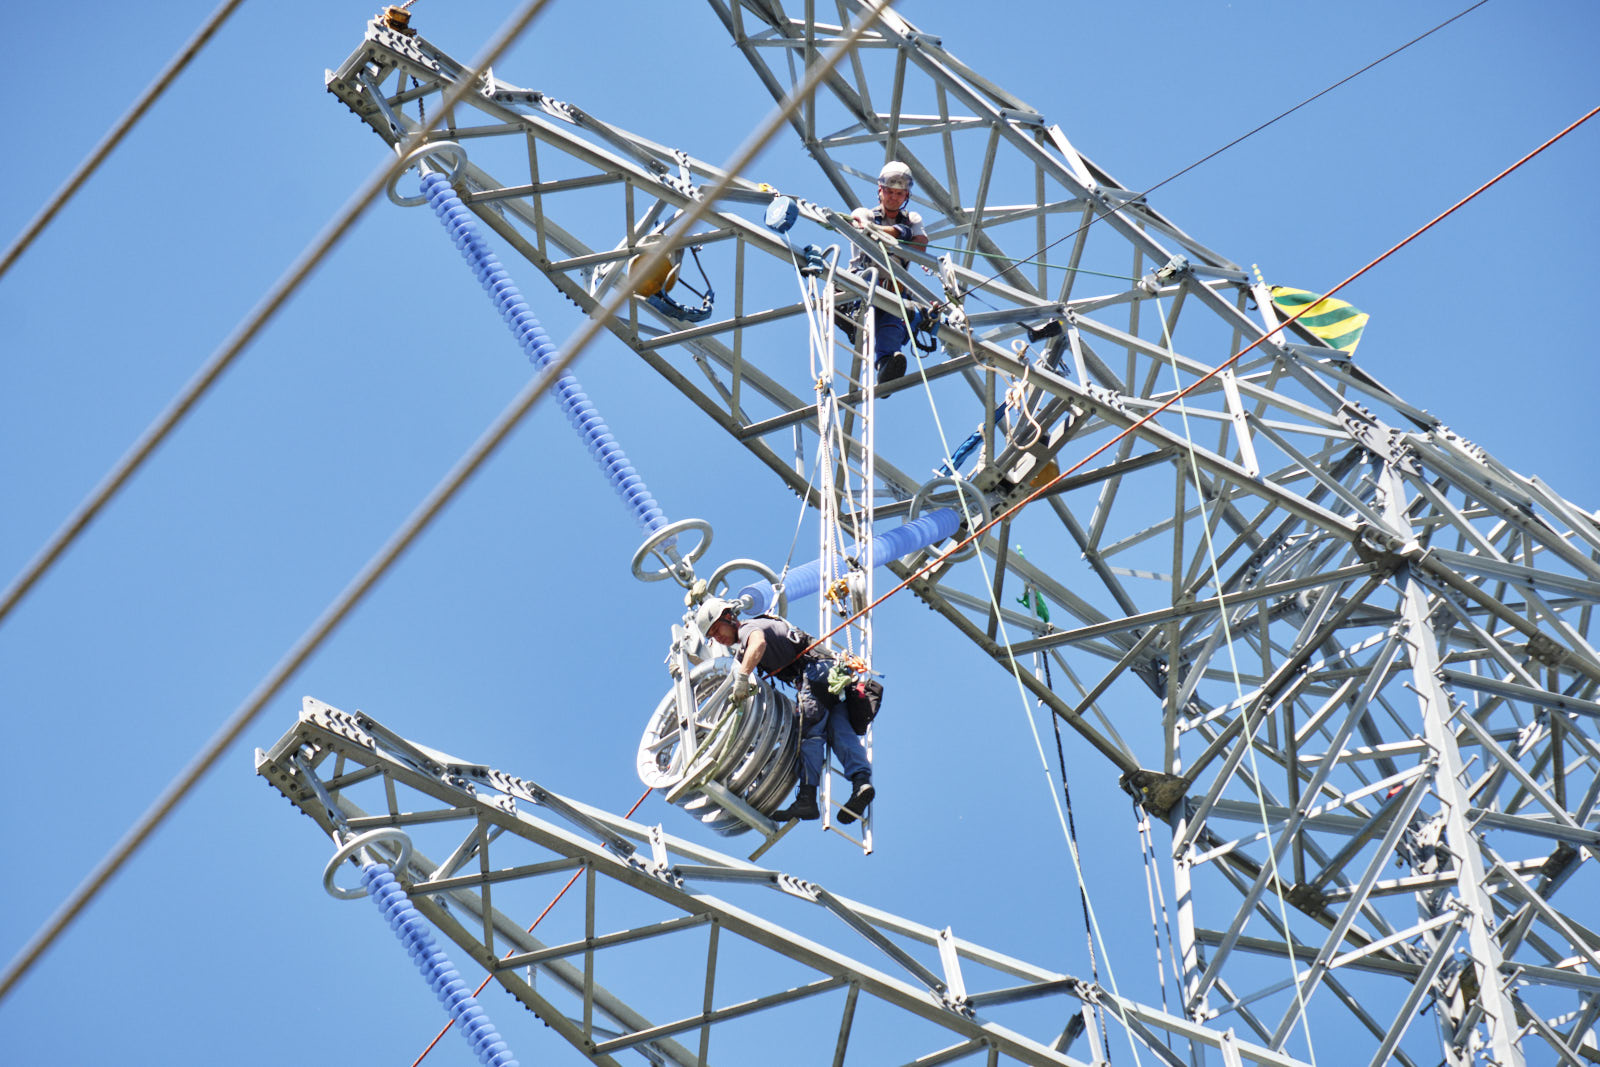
pixel 1030 498
pixel 553 902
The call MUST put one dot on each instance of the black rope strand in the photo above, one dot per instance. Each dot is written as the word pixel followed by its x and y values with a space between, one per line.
pixel 1152 871
pixel 1213 155
pixel 1072 833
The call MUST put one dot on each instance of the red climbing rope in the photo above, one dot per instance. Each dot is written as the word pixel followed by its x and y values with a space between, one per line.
pixel 1030 498
pixel 553 902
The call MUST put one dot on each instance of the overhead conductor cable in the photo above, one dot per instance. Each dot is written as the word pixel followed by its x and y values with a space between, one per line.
pixel 419 520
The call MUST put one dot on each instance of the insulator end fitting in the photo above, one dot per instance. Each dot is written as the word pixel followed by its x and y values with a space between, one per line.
pixel 399 20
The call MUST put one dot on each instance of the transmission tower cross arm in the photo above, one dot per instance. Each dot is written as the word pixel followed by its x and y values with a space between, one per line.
pixel 1244 567
pixel 1410 626
pixel 507 844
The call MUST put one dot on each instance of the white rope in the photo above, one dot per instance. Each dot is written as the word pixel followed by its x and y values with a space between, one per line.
pixel 1033 727
pixel 1238 686
pixel 814 341
pixel 833 448
pixel 933 405
pixel 1157 897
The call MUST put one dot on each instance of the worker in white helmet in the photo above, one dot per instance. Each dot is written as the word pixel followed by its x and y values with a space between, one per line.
pixel 830 720
pixel 890 219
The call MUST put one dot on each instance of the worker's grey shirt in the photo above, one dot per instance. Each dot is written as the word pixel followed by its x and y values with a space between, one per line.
pixel 782 658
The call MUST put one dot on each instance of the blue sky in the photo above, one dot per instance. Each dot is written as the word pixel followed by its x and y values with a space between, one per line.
pixel 512 633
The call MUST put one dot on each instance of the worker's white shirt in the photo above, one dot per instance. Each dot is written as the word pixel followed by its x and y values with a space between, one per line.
pixel 865 215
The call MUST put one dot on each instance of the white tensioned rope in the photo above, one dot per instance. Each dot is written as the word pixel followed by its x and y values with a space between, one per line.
pixel 862 516
pixel 1157 897
pixel 1033 726
pixel 830 452
pixel 1041 672
pixel 1238 687
pixel 832 449
pixel 813 334
pixel 865 540
pixel 927 388
pixel 865 520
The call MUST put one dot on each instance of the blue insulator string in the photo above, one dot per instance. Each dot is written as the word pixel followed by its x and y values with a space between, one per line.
pixel 806 579
pixel 448 986
pixel 464 231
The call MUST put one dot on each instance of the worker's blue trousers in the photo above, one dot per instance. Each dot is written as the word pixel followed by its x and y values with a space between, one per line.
pixel 890 335
pixel 825 724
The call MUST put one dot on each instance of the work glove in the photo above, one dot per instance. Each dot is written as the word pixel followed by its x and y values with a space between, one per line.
pixel 839 676
pixel 742 685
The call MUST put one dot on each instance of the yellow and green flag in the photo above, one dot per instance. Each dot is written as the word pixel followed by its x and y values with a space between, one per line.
pixel 1333 321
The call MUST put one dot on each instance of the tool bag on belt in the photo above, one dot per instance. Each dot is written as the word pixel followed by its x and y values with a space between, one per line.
pixel 861 701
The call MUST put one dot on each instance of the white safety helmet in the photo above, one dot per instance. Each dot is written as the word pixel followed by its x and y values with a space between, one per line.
pixel 713 609
pixel 895 175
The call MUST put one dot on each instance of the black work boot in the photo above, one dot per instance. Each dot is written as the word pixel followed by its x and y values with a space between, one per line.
pixel 804 806
pixel 891 367
pixel 856 806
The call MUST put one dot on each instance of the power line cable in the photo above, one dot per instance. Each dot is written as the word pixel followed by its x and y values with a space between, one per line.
pixel 196 388
pixel 330 618
pixel 1213 155
pixel 434 503
pixel 114 136
pixel 1011 511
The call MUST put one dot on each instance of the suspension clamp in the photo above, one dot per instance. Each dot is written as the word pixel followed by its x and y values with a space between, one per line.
pixel 1157 792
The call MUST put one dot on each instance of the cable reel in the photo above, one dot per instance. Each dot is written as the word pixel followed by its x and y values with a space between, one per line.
pixel 728 765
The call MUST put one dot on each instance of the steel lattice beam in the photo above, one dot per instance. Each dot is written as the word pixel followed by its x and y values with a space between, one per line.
pixel 507 844
pixel 1360 638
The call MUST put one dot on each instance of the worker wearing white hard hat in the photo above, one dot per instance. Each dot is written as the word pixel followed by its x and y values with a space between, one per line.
pixel 890 219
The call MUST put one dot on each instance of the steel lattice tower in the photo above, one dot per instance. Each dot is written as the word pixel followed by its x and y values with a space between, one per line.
pixel 1345 654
